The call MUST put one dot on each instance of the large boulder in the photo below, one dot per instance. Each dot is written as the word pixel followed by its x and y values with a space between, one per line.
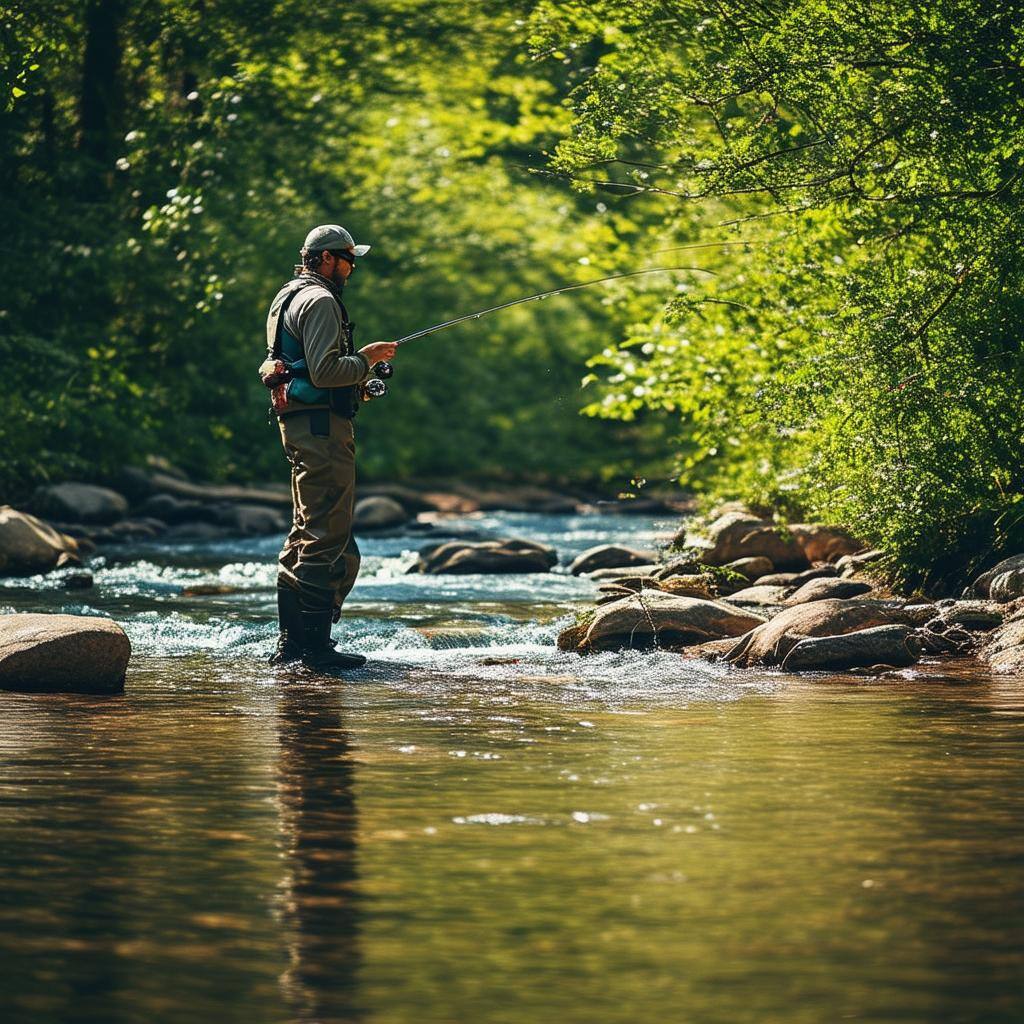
pixel 982 585
pixel 738 535
pixel 823 543
pixel 770 643
pixel 653 618
pixel 824 587
pixel 1007 586
pixel 1004 646
pixel 80 503
pixel 895 646
pixel 378 512
pixel 610 556
pixel 28 545
pixel 62 654
pixel 464 558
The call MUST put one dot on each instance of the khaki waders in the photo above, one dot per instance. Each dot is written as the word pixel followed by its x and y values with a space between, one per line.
pixel 320 557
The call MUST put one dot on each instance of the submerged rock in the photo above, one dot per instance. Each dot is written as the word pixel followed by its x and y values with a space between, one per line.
pixel 656 619
pixel 28 545
pixel 769 643
pixel 610 556
pixel 825 588
pixel 62 654
pixel 895 646
pixel 497 556
pixel 83 503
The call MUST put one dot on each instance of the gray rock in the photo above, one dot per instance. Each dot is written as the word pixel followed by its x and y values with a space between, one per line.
pixel 654 618
pixel 879 645
pixel 1004 646
pixel 824 588
pixel 498 556
pixel 170 509
pixel 610 556
pixel 83 503
pixel 250 520
pixel 681 565
pixel 759 595
pixel 984 581
pixel 631 573
pixel 1007 586
pixel 977 616
pixel 77 580
pixel 770 643
pixel 850 564
pixel 198 532
pixel 62 654
pixel 28 545
pixel 379 512
pixel 752 568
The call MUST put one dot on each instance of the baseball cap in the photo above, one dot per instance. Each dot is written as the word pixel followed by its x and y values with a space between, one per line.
pixel 333 236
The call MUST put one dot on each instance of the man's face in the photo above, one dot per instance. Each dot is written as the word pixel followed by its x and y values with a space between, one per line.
pixel 339 269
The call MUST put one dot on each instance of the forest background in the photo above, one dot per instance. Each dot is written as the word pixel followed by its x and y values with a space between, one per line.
pixel 845 177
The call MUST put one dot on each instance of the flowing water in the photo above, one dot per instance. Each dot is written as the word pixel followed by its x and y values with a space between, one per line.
pixel 478 828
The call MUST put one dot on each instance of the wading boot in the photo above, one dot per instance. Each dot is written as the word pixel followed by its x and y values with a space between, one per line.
pixel 317 646
pixel 289 613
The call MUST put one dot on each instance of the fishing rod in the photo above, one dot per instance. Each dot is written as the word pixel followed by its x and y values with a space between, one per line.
pixel 543 295
pixel 376 386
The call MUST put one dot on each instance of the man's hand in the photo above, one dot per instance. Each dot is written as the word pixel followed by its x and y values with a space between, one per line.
pixel 379 351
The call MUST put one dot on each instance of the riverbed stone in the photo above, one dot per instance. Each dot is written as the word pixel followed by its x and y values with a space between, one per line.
pixel 738 535
pixel 1007 586
pixel 759 595
pixel 848 565
pixel 894 645
pixel 28 545
pixel 378 512
pixel 821 543
pixel 497 556
pixel 601 575
pixel 1003 648
pixel 82 503
pixel 656 619
pixel 768 644
pixel 752 568
pixel 983 583
pixel 610 556
pixel 976 616
pixel 824 587
pixel 62 654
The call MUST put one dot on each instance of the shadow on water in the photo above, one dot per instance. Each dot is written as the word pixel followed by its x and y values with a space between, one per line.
pixel 319 828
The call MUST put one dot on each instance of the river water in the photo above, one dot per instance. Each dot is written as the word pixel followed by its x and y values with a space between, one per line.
pixel 478 828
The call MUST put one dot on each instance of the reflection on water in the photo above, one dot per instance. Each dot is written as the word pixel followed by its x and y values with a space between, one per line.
pixel 480 828
pixel 319 826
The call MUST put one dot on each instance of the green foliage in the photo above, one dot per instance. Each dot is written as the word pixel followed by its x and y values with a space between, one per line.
pixel 161 163
pixel 858 357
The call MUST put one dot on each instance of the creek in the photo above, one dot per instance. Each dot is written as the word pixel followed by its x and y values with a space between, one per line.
pixel 479 828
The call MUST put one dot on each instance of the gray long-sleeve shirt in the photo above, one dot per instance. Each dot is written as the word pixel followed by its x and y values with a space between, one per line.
pixel 315 318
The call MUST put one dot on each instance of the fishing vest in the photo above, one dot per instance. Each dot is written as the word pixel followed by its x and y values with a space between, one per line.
pixel 283 345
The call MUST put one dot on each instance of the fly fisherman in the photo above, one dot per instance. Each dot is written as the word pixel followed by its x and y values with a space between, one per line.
pixel 316 377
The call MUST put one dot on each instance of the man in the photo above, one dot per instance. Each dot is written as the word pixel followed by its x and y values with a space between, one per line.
pixel 315 399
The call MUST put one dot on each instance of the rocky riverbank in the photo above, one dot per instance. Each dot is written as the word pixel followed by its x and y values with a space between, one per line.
pixel 733 586
pixel 797 596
